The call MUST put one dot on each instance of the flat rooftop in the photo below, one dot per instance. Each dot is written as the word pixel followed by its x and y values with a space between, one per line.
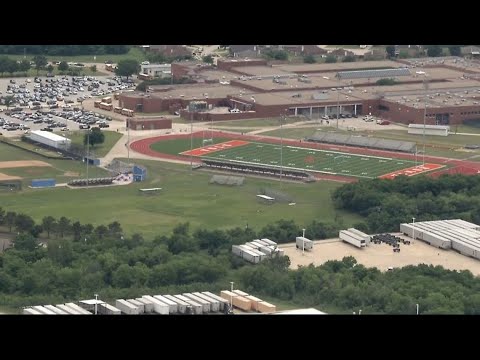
pixel 194 91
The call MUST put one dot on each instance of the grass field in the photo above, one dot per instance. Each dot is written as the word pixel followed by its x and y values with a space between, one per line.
pixel 185 196
pixel 100 150
pixel 134 53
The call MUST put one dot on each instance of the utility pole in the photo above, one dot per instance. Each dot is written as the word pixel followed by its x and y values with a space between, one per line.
pixel 128 140
pixel 425 84
pixel 191 140
pixel 88 151
pixel 281 150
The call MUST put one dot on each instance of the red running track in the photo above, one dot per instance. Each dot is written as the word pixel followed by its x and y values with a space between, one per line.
pixel 459 166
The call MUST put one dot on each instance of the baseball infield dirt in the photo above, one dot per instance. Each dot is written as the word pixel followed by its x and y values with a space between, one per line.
pixel 8 177
pixel 22 163
pixel 381 256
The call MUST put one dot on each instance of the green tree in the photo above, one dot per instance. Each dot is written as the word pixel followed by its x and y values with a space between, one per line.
pixel 10 217
pixel 48 223
pixel 101 231
pixel 25 242
pixel 309 59
pixel 127 68
pixel 63 226
pixel 24 66
pixel 434 51
pixel 94 136
pixel 330 59
pixel 24 223
pixel 40 62
pixel 93 68
pixel 455 50
pixel 77 231
pixel 349 58
pixel 115 229
pixel 9 100
pixel 208 59
pixel 390 49
pixel 50 68
pixel 2 216
pixel 63 66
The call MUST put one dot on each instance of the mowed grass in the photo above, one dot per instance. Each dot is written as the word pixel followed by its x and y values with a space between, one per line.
pixel 186 195
pixel 100 150
pixel 176 146
pixel 134 53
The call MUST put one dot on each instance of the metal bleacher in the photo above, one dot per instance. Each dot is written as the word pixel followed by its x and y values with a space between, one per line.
pixel 362 141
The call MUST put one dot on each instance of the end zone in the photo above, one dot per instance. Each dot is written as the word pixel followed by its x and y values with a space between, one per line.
pixel 411 171
pixel 205 150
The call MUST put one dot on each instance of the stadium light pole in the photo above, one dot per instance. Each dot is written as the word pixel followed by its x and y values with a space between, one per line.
pixel 128 140
pixel 338 99
pixel 413 230
pixel 425 85
pixel 88 151
pixel 191 141
pixel 281 149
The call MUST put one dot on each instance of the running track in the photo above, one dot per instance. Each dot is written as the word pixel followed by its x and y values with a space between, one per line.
pixel 457 166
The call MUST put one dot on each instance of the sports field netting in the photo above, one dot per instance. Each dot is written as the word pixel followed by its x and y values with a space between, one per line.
pixel 312 160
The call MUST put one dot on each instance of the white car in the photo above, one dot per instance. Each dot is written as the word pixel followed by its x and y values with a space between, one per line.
pixel 145 62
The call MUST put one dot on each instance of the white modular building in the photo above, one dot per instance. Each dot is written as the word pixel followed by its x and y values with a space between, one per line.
pixel 438 130
pixel 50 139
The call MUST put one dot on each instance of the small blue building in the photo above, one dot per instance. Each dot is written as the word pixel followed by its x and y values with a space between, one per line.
pixel 41 183
pixel 139 173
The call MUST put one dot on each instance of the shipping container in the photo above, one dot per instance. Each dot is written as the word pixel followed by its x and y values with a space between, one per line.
pixel 197 308
pixel 267 308
pixel 228 295
pixel 237 250
pixel 261 242
pixel 253 245
pixel 206 308
pixel 352 238
pixel 214 303
pixel 280 252
pixel 139 304
pixel 222 302
pixel 56 310
pixel 158 306
pixel 254 301
pixel 148 305
pixel 303 243
pixel 270 242
pixel 127 308
pixel 266 250
pixel 240 293
pixel 172 305
pixel 182 305
pixel 78 309
pixel 242 303
pixel 107 309
pixel 251 256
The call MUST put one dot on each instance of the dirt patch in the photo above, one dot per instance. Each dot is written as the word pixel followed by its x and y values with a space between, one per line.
pixel 381 256
pixel 71 173
pixel 22 163
pixel 8 177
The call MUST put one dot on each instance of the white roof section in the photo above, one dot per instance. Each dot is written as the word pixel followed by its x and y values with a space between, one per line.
pixel 435 127
pixel 266 197
pixel 92 302
pixel 309 311
pixel 49 135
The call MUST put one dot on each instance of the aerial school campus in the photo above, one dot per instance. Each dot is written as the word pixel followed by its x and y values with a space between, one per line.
pixel 288 139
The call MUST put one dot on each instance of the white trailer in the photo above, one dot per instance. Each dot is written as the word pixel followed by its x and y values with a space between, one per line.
pixel 261 242
pixel 30 311
pixel 223 302
pixel 303 243
pixel 366 237
pixel 352 238
pixel 50 139
pixel 246 247
pixel 270 242
pixel 253 244
pixel 158 306
pixel 250 256
pixel 139 304
pixel 196 307
pixel 78 309
pixel 237 250
pixel 172 305
pixel 107 309
pixel 214 303
pixel 182 305
pixel 279 252
pixel 148 305
pixel 68 309
pixel 206 308
pixel 126 307
pixel 261 255
pixel 56 310
pixel 43 310
pixel 266 250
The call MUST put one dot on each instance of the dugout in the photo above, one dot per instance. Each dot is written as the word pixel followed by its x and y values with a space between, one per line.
pixel 91 161
pixel 10 185
pixel 139 173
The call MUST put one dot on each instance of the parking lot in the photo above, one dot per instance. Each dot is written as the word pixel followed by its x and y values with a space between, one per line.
pixel 55 103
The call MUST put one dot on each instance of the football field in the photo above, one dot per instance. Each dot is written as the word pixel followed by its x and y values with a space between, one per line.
pixel 311 160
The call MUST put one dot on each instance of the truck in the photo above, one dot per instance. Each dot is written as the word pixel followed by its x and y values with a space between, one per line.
pixel 303 243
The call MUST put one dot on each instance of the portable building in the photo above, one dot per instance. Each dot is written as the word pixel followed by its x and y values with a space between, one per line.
pixel 270 242
pixel 265 307
pixel 77 308
pixel 50 139
pixel 261 242
pixel 254 301
pixel 43 310
pixel 68 309
pixel 303 243
pixel 266 250
pixel 242 303
pixel 30 311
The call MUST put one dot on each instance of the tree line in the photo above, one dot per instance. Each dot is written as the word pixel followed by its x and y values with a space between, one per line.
pixel 63 50
pixel 387 203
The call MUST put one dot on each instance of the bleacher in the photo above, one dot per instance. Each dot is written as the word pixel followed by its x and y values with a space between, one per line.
pixel 362 141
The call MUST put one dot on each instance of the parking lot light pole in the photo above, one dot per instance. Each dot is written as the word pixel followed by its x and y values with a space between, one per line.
pixel 413 230
pixel 417 309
